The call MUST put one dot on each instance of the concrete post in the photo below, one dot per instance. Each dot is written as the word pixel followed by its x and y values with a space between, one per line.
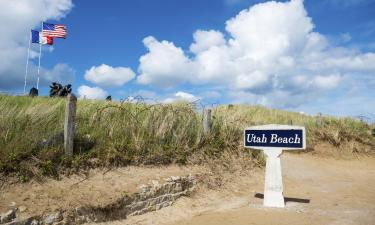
pixel 273 186
pixel 207 121
pixel 69 125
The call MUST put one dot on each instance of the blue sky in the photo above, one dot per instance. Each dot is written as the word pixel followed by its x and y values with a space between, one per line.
pixel 309 56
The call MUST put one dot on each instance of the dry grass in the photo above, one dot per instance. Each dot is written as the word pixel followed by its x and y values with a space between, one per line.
pixel 344 135
pixel 118 134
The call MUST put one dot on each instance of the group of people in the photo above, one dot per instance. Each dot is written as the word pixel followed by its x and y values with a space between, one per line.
pixel 57 90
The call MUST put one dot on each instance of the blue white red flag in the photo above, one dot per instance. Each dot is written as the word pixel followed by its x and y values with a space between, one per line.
pixel 37 37
pixel 54 30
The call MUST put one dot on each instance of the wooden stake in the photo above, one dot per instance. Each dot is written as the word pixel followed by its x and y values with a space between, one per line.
pixel 69 125
pixel 207 121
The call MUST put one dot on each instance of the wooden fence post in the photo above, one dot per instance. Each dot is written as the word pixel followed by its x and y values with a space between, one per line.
pixel 207 121
pixel 69 125
pixel 319 119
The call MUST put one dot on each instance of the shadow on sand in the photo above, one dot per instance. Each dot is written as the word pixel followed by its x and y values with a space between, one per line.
pixel 286 199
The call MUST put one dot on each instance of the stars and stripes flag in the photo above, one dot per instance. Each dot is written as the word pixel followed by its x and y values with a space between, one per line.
pixel 46 36
pixel 54 30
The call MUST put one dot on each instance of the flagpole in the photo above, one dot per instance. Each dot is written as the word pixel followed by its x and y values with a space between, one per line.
pixel 40 53
pixel 27 64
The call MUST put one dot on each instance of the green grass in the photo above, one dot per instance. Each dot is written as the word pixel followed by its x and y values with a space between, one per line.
pixel 118 134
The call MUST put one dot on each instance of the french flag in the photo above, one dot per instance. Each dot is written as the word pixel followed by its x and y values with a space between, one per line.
pixel 37 37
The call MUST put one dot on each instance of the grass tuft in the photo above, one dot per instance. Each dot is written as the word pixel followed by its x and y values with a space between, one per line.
pixel 113 134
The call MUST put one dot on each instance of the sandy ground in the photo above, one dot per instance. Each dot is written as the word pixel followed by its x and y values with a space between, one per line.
pixel 98 187
pixel 338 192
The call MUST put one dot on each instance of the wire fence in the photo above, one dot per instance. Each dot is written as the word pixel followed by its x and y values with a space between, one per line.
pixel 198 104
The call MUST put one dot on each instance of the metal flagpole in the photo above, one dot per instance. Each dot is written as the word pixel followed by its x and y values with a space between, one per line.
pixel 40 53
pixel 27 64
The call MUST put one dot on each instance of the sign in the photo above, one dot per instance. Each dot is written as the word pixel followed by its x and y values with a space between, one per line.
pixel 275 136
pixel 273 139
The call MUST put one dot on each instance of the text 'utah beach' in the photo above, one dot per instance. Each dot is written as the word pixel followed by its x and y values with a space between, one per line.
pixel 252 138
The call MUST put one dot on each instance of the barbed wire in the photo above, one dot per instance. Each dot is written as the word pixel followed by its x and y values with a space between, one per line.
pixel 369 118
pixel 198 104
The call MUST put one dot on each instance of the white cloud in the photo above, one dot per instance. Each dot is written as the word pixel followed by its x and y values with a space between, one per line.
pixel 91 92
pixel 16 20
pixel 165 64
pixel 206 39
pixel 327 82
pixel 186 96
pixel 105 75
pixel 269 30
pixel 181 96
pixel 271 53
pixel 61 73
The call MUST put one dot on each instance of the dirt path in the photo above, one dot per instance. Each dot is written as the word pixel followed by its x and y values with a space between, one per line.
pixel 338 191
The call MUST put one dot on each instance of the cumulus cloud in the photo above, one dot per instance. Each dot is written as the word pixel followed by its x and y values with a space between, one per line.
pixel 270 55
pixel 206 39
pixel 16 20
pixel 91 92
pixel 181 96
pixel 105 75
pixel 164 65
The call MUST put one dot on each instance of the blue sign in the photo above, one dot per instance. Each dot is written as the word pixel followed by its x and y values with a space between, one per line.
pixel 283 138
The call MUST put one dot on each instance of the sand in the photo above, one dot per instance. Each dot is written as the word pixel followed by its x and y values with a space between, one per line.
pixel 320 190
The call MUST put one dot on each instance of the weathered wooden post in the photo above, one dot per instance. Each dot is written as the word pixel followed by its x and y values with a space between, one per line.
pixel 319 119
pixel 69 125
pixel 207 121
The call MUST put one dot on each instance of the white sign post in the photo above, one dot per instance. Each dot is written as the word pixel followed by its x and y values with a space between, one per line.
pixel 273 139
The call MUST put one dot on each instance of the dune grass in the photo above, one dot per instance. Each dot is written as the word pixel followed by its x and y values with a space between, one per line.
pixel 118 134
pixel 345 135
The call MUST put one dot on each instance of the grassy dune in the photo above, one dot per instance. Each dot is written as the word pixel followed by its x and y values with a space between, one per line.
pixel 117 134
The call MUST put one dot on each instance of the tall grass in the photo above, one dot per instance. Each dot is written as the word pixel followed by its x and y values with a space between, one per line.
pixel 118 134
pixel 345 135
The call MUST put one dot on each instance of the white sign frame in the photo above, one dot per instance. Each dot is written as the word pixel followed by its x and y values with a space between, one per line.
pixel 273 185
pixel 277 127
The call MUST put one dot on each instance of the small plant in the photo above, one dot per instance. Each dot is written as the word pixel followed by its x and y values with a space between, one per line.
pixel 47 167
pixel 24 178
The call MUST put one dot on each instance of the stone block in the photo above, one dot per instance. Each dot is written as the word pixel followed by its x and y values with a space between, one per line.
pixel 8 216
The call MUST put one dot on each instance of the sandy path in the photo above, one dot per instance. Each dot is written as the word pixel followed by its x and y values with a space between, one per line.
pixel 339 191
pixel 99 187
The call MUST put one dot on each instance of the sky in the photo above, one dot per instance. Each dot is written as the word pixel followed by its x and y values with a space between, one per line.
pixel 306 56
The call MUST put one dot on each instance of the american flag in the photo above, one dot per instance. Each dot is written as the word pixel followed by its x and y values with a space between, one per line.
pixel 54 30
